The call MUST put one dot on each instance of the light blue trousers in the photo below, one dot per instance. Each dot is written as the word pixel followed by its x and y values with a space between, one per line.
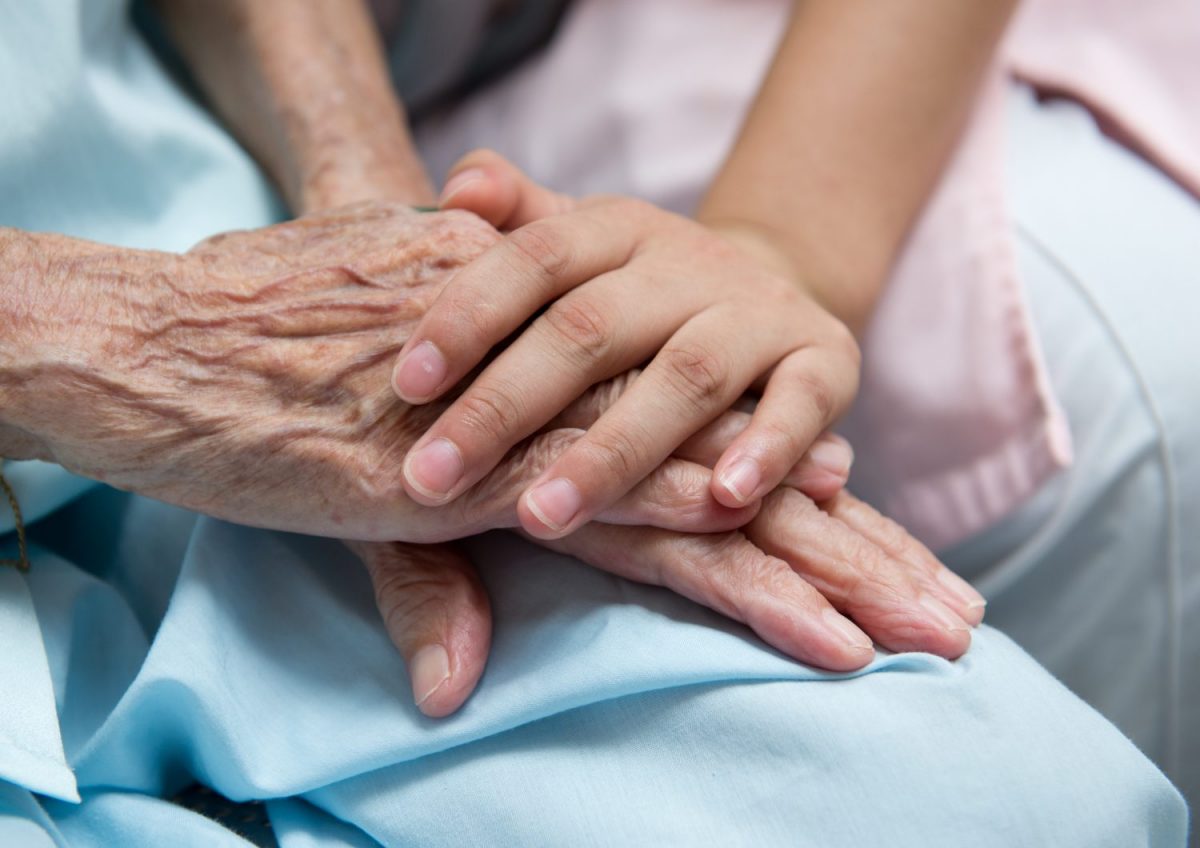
pixel 1099 576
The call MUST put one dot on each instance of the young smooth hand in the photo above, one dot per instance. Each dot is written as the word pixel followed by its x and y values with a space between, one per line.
pixel 597 287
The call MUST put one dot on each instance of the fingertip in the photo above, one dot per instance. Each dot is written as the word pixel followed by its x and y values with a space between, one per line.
pixel 432 471
pixel 833 453
pixel 818 485
pixel 848 647
pixel 950 644
pixel 461 189
pixel 429 672
pixel 419 373
pixel 824 469
pixel 441 686
pixel 445 674
pixel 932 627
pixel 547 510
pixel 964 598
pixel 736 483
pixel 485 183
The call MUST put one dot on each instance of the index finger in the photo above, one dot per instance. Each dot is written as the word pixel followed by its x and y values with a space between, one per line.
pixel 490 298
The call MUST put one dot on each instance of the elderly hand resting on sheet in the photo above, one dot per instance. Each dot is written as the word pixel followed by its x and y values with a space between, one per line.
pixel 248 379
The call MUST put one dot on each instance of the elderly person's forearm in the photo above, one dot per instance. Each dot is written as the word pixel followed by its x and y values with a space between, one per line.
pixel 304 86
pixel 32 307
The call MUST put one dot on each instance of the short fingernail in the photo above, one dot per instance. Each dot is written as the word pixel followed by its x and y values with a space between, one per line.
pixel 420 373
pixel 555 502
pixel 435 468
pixel 942 614
pixel 961 589
pixel 430 670
pixel 834 455
pixel 845 631
pixel 741 479
pixel 458 182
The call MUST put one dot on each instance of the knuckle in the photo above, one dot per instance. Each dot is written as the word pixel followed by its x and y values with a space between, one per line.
pixel 873 580
pixel 542 247
pixel 466 313
pixel 734 572
pixel 409 598
pixel 583 327
pixel 618 452
pixel 635 207
pixel 493 498
pixel 891 537
pixel 845 342
pixel 492 411
pixel 405 577
pixel 818 394
pixel 783 436
pixel 696 372
pixel 378 480
pixel 500 487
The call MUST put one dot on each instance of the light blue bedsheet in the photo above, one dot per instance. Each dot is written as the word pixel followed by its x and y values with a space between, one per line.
pixel 611 714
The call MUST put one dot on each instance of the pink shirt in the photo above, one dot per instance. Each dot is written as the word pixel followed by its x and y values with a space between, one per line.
pixel 956 407
pixel 956 422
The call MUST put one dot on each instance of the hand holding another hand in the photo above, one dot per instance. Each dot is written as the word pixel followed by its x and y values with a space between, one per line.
pixel 811 580
pixel 248 378
pixel 621 283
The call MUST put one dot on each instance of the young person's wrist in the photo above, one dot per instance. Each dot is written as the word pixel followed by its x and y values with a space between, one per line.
pixel 845 287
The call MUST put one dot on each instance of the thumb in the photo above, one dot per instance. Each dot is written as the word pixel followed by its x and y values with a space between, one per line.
pixel 486 183
pixel 437 614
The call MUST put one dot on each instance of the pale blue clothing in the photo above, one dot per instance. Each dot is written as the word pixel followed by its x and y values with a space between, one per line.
pixel 1101 571
pixel 611 714
pixel 148 649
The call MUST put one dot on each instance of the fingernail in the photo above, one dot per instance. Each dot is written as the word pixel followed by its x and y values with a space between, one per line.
pixel 555 502
pixel 834 455
pixel 942 614
pixel 846 631
pixel 961 589
pixel 435 468
pixel 420 373
pixel 430 669
pixel 741 479
pixel 458 182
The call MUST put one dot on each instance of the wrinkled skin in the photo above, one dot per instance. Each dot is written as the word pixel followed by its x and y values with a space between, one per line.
pixel 248 378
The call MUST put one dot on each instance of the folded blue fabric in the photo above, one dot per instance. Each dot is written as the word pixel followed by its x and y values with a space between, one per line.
pixel 611 714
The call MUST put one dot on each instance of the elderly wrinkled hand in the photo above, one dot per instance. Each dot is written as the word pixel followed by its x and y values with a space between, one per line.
pixel 818 580
pixel 810 579
pixel 248 378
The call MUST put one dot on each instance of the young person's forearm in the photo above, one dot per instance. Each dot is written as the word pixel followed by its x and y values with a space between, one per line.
pixel 857 117
pixel 304 86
